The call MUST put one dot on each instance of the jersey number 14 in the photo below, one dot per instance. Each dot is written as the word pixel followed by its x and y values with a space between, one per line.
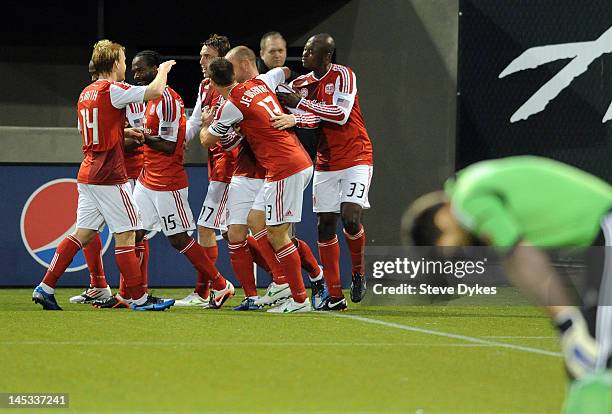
pixel 87 124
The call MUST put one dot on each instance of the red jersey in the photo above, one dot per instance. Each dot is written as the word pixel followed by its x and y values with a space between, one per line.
pixel 343 138
pixel 101 118
pixel 246 164
pixel 220 162
pixel 252 104
pixel 134 159
pixel 165 117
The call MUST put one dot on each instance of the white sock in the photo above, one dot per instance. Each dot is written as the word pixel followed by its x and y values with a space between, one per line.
pixel 319 277
pixel 47 289
pixel 141 300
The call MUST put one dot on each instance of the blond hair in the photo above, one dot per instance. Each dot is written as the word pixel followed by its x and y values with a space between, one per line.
pixel 105 54
pixel 242 53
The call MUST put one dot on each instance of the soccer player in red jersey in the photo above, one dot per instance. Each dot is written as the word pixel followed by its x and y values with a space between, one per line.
pixel 246 211
pixel 161 191
pixel 288 167
pixel 104 195
pixel 133 140
pixel 327 100
pixel 220 166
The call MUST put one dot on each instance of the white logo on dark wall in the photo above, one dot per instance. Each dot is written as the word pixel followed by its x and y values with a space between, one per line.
pixel 582 54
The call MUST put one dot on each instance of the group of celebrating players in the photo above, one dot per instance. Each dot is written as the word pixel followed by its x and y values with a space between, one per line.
pixel 132 177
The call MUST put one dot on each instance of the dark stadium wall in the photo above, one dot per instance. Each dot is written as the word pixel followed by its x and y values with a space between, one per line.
pixel 404 54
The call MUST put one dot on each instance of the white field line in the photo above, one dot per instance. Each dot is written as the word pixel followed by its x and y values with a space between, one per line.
pixel 449 335
pixel 196 344
pixel 520 337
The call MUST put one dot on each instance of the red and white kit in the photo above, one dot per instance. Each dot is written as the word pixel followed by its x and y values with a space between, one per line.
pixel 220 163
pixel 134 159
pixel 344 154
pixel 104 195
pixel 162 189
pixel 287 165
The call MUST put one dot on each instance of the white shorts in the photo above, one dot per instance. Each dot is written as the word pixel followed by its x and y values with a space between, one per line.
pixel 242 194
pixel 332 188
pixel 213 213
pixel 168 210
pixel 260 203
pixel 283 198
pixel 132 183
pixel 110 204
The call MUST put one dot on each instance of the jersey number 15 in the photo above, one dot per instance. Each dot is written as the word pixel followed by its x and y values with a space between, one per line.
pixel 92 124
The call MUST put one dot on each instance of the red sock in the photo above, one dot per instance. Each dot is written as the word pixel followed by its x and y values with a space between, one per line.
pixel 256 254
pixel 61 260
pixel 212 252
pixel 142 253
pixel 242 263
pixel 198 258
pixel 267 252
pixel 93 257
pixel 202 287
pixel 122 291
pixel 356 246
pixel 329 251
pixel 309 263
pixel 290 261
pixel 130 269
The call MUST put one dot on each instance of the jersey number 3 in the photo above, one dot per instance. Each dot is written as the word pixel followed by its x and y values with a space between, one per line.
pixel 87 124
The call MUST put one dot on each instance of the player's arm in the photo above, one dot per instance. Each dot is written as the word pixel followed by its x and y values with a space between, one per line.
pixel 132 138
pixel 226 116
pixel 338 111
pixel 194 123
pixel 156 88
pixel 160 144
pixel 299 119
pixel 168 111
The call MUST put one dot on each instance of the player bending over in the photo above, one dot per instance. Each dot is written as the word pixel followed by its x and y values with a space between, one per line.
pixel 520 205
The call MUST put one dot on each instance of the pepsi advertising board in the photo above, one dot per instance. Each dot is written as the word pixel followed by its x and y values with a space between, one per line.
pixel 39 210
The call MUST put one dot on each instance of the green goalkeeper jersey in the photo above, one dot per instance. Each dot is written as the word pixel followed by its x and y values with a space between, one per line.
pixel 540 201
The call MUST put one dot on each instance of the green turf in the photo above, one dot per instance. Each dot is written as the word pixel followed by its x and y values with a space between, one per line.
pixel 221 361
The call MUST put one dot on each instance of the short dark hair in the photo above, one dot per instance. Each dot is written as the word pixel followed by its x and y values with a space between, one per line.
pixel 418 226
pixel 221 71
pixel 220 43
pixel 151 57
pixel 268 35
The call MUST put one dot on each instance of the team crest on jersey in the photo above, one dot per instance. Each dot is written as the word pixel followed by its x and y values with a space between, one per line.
pixel 152 110
pixel 329 89
pixel 303 92
pixel 48 216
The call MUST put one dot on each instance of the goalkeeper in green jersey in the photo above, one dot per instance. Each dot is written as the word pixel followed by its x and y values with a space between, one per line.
pixel 522 206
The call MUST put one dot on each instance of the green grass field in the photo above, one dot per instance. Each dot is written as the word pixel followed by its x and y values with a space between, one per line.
pixel 424 360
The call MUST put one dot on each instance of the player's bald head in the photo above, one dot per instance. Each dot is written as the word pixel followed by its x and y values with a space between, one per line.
pixel 240 53
pixel 324 42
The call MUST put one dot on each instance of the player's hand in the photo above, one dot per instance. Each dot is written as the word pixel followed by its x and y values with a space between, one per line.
pixel 290 100
pixel 236 128
pixel 283 121
pixel 166 66
pixel 208 115
pixel 135 134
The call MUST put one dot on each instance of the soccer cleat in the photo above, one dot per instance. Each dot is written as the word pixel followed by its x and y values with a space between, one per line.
pixel 113 302
pixel 291 306
pixel 92 294
pixel 579 348
pixel 153 304
pixel 218 297
pixel 358 287
pixel 248 304
pixel 319 293
pixel 193 300
pixel 334 304
pixel 274 294
pixel 47 300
